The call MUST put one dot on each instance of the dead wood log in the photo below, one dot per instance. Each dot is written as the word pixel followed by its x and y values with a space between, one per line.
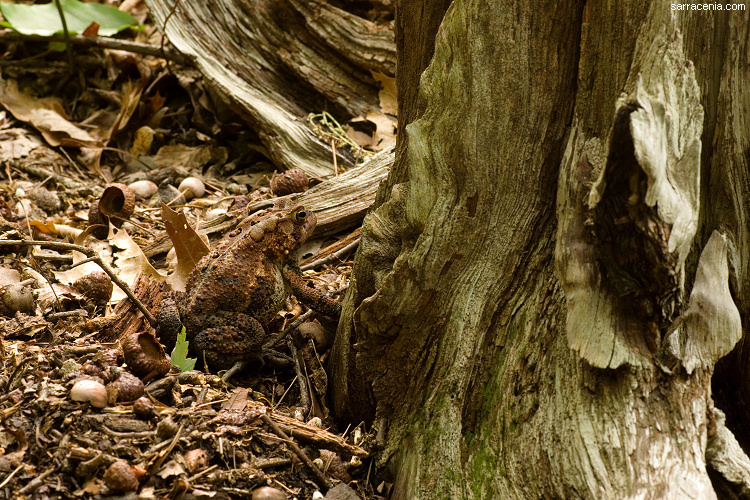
pixel 277 61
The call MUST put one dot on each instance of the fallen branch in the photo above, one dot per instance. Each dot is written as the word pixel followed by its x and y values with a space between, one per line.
pixel 322 480
pixel 94 257
pixel 99 41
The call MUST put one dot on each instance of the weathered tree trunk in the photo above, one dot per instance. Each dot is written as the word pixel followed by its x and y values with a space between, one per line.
pixel 559 258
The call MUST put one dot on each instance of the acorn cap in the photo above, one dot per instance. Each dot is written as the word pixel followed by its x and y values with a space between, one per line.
pixel 124 387
pixel 96 287
pixel 291 181
pixel 117 203
pixel 99 221
pixel 145 355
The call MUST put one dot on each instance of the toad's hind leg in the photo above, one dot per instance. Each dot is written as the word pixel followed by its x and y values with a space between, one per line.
pixel 239 339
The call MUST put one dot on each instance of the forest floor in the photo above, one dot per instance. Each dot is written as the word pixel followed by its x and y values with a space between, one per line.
pixel 263 432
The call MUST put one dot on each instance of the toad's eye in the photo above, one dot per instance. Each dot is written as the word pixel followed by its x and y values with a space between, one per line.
pixel 299 216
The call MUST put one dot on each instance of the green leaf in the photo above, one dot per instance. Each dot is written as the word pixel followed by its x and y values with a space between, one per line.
pixel 44 19
pixel 179 353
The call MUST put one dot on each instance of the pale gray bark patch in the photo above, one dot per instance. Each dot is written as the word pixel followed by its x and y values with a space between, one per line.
pixel 712 323
pixel 621 250
pixel 725 456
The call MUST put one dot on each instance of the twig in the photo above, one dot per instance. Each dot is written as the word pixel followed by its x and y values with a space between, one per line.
pixel 335 163
pixel 103 42
pixel 304 396
pixel 10 476
pixel 44 173
pixel 294 324
pixel 237 366
pixel 328 258
pixel 276 404
pixel 36 482
pixel 322 481
pixel 66 35
pixel 164 454
pixel 202 473
pixel 128 435
pixel 52 317
pixel 59 245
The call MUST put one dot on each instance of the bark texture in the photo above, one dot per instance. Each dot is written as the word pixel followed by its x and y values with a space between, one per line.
pixel 278 61
pixel 538 303
pixel 417 22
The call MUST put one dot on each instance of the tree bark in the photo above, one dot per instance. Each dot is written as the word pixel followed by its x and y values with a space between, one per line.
pixel 559 258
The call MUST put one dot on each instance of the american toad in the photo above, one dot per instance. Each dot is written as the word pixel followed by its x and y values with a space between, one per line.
pixel 241 285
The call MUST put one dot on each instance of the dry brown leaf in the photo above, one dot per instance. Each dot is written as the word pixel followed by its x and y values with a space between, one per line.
pixel 17 143
pixel 188 246
pixel 385 132
pixel 107 123
pixel 65 295
pixel 179 155
pixel 131 96
pixel 360 138
pixel 44 114
pixel 130 262
pixel 237 399
pixel 170 469
pixel 8 276
pixel 68 232
pixel 388 96
pixel 43 227
pixel 72 274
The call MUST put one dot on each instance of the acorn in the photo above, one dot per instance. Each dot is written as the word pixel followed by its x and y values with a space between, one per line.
pixel 96 287
pixel 143 189
pixel 143 408
pixel 16 297
pixel 124 386
pixel 166 428
pixel 109 357
pixel 89 391
pixel 316 331
pixel 192 187
pixel 117 203
pixel 268 493
pixel 98 222
pixel 121 477
pixel 291 181
pixel 145 355
pixel 336 468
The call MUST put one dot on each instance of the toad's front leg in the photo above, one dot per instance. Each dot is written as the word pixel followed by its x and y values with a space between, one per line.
pixel 168 317
pixel 310 296
pixel 232 337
